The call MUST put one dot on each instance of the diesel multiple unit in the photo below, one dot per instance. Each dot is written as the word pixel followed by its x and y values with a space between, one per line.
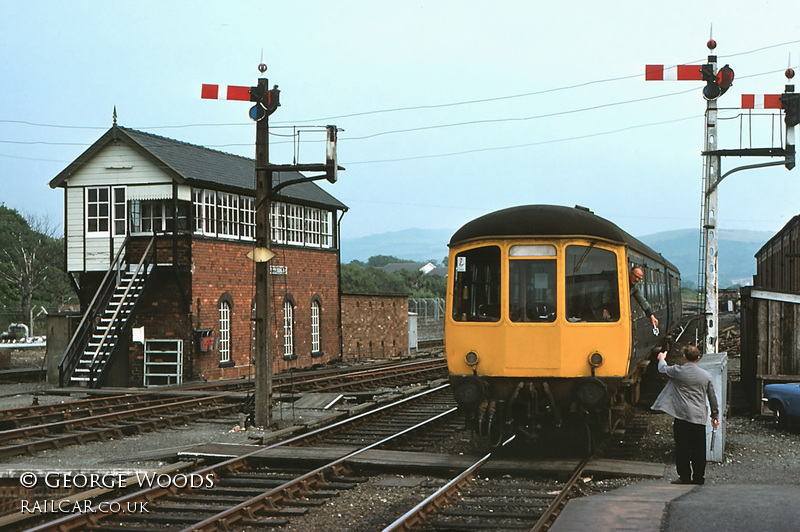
pixel 541 332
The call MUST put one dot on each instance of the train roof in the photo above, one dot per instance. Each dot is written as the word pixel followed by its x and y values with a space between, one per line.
pixel 546 220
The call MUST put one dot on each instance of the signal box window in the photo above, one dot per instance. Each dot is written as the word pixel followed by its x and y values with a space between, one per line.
pixel 592 290
pixel 97 210
pixel 476 285
pixel 532 283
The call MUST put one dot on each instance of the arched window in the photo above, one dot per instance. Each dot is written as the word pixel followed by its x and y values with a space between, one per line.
pixel 316 345
pixel 225 306
pixel 288 328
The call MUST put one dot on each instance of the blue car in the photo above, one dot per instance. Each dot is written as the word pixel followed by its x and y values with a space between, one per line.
pixel 784 401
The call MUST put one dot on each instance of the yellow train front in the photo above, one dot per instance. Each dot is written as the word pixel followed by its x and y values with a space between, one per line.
pixel 541 332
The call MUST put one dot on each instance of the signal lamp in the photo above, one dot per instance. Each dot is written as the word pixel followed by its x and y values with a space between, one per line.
pixel 790 102
pixel 724 79
pixel 716 84
pixel 595 360
pixel 471 358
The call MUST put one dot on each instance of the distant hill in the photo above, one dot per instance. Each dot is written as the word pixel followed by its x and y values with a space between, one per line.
pixel 737 249
pixel 419 245
pixel 737 264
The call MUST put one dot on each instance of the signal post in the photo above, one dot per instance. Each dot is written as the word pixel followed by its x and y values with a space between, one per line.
pixel 267 102
pixel 710 235
pixel 717 83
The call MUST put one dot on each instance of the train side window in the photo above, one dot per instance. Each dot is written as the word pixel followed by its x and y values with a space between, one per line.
pixel 592 290
pixel 476 285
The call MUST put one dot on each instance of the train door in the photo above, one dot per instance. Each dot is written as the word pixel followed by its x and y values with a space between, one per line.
pixel 533 339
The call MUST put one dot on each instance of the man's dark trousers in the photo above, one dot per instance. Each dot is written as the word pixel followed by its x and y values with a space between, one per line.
pixel 690 451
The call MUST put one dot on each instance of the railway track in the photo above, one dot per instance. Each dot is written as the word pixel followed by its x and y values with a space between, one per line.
pixel 264 488
pixel 246 492
pixel 118 420
pixel 40 427
pixel 367 378
pixel 470 501
pixel 53 412
pixel 276 485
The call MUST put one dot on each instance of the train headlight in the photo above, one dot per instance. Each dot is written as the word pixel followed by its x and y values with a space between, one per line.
pixel 591 393
pixel 471 358
pixel 595 360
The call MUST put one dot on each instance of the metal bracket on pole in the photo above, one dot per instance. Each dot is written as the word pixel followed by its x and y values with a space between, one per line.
pixel 739 169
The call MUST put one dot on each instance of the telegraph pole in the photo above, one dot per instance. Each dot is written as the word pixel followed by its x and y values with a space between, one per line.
pixel 266 102
pixel 263 357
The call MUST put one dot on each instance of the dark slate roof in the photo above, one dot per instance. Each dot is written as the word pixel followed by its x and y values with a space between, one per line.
pixel 199 166
pixel 546 220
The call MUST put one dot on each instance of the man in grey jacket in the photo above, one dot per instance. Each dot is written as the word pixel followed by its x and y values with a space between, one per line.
pixel 684 398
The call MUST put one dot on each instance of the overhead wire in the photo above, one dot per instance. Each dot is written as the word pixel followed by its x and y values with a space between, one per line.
pixel 528 144
pixel 420 107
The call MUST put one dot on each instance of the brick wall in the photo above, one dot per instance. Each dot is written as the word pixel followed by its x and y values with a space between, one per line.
pixel 165 315
pixel 375 326
pixel 221 267
pixel 177 304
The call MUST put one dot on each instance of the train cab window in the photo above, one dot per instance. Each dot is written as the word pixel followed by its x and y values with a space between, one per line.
pixel 532 283
pixel 592 290
pixel 476 285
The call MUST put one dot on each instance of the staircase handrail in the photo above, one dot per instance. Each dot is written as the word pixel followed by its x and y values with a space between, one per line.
pixel 71 353
pixel 94 362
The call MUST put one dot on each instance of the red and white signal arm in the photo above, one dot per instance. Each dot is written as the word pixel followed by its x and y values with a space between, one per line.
pixel 229 92
pixel 673 73
pixel 761 101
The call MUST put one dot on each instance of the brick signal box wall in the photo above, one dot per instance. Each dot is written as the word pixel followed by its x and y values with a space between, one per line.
pixel 375 326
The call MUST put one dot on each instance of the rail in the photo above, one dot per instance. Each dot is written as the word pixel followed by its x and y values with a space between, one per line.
pixel 416 516
pixel 421 515
pixel 116 422
pixel 561 499
pixel 245 512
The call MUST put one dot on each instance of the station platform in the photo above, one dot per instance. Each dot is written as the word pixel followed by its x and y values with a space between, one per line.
pixel 657 505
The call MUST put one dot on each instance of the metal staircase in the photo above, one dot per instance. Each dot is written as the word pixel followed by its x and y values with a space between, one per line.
pixel 109 324
pixel 106 319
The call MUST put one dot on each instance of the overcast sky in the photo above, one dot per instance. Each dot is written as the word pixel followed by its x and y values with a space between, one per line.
pixel 450 109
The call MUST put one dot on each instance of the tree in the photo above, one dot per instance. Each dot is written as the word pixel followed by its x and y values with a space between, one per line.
pixel 378 261
pixel 356 277
pixel 31 259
